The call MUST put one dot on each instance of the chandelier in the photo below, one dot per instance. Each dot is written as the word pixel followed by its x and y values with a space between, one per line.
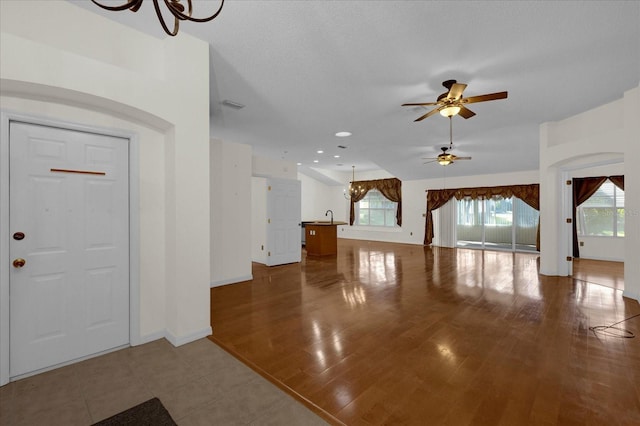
pixel 353 191
pixel 176 8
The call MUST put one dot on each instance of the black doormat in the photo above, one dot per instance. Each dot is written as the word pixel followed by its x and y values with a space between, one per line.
pixel 150 413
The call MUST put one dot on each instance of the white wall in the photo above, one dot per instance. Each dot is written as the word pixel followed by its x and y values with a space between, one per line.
pixel 632 194
pixel 258 219
pixel 317 198
pixel 85 69
pixel 414 202
pixel 267 167
pixel 230 212
pixel 595 137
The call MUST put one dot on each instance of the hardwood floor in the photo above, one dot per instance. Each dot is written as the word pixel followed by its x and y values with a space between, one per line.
pixel 608 274
pixel 400 334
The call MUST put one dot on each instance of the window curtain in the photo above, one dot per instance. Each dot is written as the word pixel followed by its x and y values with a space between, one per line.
pixel 390 188
pixel 618 181
pixel 583 189
pixel 437 198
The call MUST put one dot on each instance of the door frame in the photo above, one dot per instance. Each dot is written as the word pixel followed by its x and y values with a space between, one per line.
pixel 271 181
pixel 6 117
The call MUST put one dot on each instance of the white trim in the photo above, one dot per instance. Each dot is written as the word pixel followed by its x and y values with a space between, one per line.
pixel 603 258
pixel 151 337
pixel 183 340
pixel 134 240
pixel 231 281
pixel 630 295
pixel 373 228
pixel 4 249
pixel 134 224
pixel 565 240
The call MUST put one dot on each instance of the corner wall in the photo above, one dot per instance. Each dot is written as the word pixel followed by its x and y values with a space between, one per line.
pixel 89 70
pixel 230 213
pixel 599 136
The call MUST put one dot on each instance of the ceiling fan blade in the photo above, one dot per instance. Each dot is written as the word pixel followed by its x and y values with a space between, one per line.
pixel 463 158
pixel 456 91
pixel 466 112
pixel 430 113
pixel 432 161
pixel 422 104
pixel 484 98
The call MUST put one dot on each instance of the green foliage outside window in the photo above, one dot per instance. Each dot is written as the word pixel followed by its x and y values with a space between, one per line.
pixel 602 215
pixel 376 210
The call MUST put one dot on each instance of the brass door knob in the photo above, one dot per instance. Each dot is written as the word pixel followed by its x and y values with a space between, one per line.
pixel 19 263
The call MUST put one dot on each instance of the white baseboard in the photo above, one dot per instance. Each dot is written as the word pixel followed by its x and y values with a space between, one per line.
pixel 231 280
pixel 192 337
pixel 630 295
pixel 150 338
pixel 175 340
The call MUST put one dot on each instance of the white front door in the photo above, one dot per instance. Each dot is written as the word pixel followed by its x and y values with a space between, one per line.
pixel 283 221
pixel 69 245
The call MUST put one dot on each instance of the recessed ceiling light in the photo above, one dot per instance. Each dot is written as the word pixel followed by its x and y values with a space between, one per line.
pixel 336 156
pixel 299 164
pixel 319 151
pixel 315 161
pixel 343 134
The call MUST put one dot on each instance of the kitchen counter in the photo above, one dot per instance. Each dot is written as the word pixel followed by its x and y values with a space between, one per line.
pixel 321 237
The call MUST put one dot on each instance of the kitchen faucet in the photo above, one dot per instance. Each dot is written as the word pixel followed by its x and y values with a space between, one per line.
pixel 327 213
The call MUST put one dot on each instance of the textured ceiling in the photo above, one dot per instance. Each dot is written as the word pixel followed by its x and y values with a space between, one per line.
pixel 307 69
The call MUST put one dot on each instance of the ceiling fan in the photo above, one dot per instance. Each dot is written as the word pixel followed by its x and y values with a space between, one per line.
pixel 446 158
pixel 451 102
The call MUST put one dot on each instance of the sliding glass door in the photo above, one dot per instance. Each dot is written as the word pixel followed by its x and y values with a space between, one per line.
pixel 496 223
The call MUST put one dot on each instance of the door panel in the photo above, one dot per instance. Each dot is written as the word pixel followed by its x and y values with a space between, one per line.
pixel 283 225
pixel 71 298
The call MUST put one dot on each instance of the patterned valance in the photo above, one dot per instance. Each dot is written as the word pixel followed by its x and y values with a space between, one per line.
pixel 390 188
pixel 437 198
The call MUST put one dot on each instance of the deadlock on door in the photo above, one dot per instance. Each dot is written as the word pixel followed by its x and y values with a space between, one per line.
pixel 19 262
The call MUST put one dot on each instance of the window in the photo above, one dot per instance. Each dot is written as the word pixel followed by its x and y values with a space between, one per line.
pixel 602 215
pixel 498 223
pixel 375 210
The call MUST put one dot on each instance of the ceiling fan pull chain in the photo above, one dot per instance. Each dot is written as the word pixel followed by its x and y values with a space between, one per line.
pixel 450 132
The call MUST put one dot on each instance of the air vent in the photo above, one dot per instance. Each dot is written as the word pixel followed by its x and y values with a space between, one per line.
pixel 342 147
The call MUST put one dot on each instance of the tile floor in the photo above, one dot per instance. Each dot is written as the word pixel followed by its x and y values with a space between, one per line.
pixel 199 383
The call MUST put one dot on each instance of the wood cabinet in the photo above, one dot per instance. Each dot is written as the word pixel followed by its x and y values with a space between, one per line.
pixel 321 239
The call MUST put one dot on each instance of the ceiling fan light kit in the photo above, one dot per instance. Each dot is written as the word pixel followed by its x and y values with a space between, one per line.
pixel 450 111
pixel 452 103
pixel 446 158
pixel 449 104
